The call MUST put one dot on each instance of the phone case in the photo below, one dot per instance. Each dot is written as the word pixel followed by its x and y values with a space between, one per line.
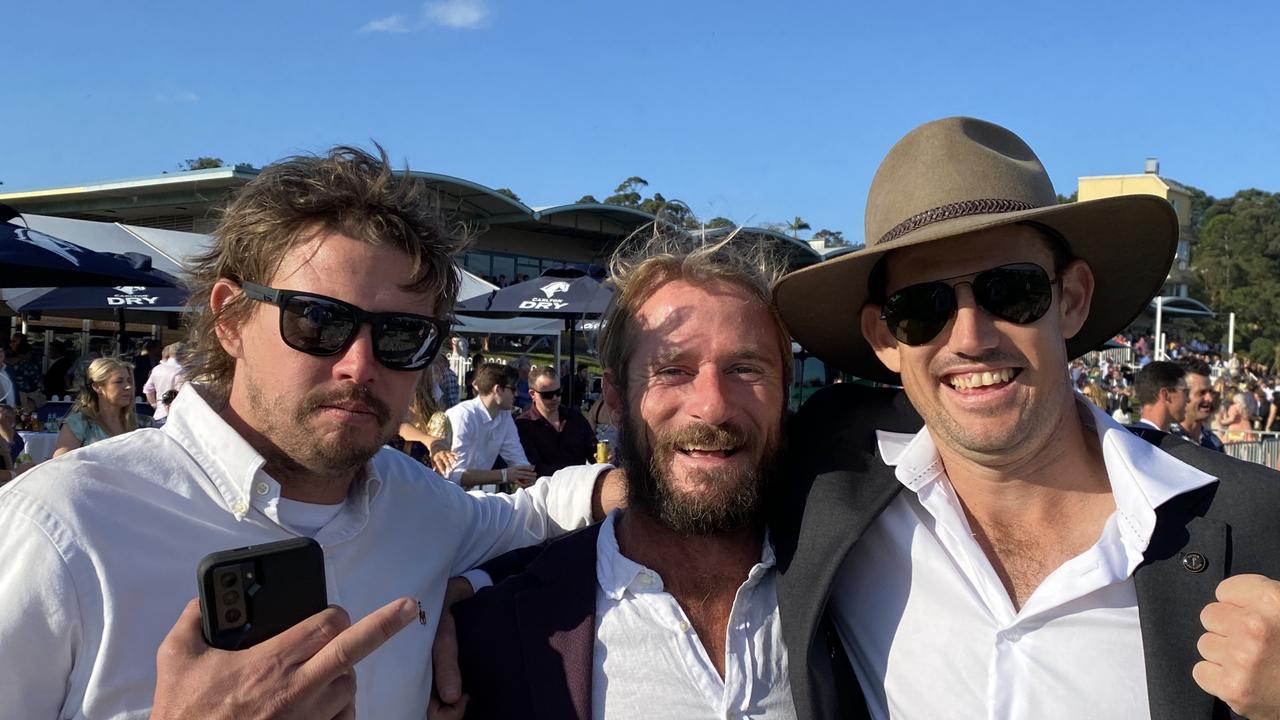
pixel 282 584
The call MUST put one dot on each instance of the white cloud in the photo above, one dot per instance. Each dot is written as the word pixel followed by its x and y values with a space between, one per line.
pixel 457 14
pixel 184 96
pixel 391 23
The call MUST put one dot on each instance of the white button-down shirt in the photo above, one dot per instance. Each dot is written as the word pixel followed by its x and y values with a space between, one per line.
pixel 478 438
pixel 650 663
pixel 100 549
pixel 164 377
pixel 932 633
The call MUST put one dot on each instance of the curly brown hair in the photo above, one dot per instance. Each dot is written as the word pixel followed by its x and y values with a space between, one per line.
pixel 347 191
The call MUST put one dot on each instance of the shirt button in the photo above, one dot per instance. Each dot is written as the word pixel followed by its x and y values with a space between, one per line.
pixel 240 507
pixel 684 626
pixel 262 488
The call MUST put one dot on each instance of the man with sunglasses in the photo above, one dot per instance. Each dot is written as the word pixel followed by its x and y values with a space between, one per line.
pixel 1162 392
pixel 553 434
pixel 313 318
pixel 483 431
pixel 1023 555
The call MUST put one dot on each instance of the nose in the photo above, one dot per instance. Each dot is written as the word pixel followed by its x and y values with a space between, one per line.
pixel 708 400
pixel 356 362
pixel 973 331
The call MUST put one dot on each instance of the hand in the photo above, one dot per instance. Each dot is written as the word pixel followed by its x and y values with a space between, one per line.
pixel 447 701
pixel 443 461
pixel 1241 648
pixel 522 475
pixel 305 672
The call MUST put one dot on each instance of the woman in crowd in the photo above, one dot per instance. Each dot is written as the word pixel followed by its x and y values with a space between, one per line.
pixel 10 445
pixel 427 423
pixel 603 423
pixel 103 409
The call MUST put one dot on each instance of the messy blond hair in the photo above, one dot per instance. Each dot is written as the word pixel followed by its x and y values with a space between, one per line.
pixel 347 191
pixel 660 253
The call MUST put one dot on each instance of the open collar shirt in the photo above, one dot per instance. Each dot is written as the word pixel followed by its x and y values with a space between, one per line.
pixel 163 378
pixel 479 438
pixel 650 663
pixel 931 631
pixel 100 550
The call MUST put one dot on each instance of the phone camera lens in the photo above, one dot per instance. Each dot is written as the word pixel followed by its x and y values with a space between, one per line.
pixel 230 597
pixel 228 579
pixel 232 616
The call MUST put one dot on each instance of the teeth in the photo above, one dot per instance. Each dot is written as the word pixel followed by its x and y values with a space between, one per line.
pixel 981 379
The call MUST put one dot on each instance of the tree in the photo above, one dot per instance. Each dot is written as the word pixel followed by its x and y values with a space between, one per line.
pixel 509 193
pixel 830 238
pixel 720 222
pixel 795 226
pixel 1064 199
pixel 588 200
pixel 201 163
pixel 627 194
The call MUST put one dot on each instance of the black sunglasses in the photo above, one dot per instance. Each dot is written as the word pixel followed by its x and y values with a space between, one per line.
pixel 319 325
pixel 1020 293
pixel 548 394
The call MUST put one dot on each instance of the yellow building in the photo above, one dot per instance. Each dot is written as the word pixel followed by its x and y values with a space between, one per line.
pixel 1150 182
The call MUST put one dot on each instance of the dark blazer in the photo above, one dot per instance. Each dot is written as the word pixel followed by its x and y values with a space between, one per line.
pixel 525 645
pixel 840 486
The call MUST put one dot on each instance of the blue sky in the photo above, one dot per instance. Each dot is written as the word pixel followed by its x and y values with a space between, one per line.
pixel 755 111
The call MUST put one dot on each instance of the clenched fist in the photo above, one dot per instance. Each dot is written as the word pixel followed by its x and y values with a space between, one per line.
pixel 1241 646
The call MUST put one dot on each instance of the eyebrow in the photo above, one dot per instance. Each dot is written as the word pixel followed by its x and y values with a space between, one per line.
pixel 744 352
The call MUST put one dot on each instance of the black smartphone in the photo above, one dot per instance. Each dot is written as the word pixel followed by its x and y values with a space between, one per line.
pixel 252 593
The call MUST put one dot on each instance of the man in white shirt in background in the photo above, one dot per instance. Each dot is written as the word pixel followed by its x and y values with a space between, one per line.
pixel 483 431
pixel 8 393
pixel 165 376
pixel 1022 556
pixel 314 315
pixel 1161 391
pixel 669 608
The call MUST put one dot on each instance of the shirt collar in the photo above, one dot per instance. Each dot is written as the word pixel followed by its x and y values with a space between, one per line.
pixel 233 465
pixel 616 573
pixel 1142 476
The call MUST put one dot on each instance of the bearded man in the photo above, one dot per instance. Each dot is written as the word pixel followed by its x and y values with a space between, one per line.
pixel 670 603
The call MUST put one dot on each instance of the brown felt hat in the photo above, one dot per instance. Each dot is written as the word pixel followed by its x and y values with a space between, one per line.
pixel 958 175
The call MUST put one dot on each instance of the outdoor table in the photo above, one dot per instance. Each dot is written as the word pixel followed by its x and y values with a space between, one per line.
pixel 40 445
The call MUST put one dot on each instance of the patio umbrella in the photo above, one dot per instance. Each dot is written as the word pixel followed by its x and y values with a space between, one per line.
pixel 123 303
pixel 563 293
pixel 29 258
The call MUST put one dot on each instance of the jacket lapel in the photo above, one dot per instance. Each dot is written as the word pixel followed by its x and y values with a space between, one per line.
pixel 556 622
pixel 1184 563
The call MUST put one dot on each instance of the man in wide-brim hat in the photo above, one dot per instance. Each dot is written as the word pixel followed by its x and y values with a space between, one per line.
pixel 1022 555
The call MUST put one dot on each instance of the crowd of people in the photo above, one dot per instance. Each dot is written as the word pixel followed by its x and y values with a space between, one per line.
pixel 970 538
pixel 1238 405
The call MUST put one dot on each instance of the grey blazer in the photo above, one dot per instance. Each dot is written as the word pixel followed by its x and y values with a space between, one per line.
pixel 838 486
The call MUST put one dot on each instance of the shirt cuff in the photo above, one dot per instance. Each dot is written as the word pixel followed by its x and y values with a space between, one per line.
pixel 478 578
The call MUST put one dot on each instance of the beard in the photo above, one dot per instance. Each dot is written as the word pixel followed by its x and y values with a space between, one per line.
pixel 298 449
pixel 732 499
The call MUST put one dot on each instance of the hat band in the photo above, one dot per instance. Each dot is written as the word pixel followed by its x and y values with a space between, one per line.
pixel 954 210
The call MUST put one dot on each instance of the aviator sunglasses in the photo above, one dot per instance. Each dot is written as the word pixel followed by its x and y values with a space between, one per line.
pixel 1019 293
pixel 319 325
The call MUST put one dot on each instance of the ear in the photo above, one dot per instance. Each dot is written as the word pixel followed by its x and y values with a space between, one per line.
pixel 1077 297
pixel 223 292
pixel 612 398
pixel 882 341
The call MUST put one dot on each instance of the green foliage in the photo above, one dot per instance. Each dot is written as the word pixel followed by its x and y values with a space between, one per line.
pixel 1064 199
pixel 627 194
pixel 720 222
pixel 795 226
pixel 587 199
pixel 1237 259
pixel 201 163
pixel 509 193
pixel 830 238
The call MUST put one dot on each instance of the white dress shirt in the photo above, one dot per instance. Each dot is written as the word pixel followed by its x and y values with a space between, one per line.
pixel 479 438
pixel 100 549
pixel 163 378
pixel 931 631
pixel 648 659
pixel 8 394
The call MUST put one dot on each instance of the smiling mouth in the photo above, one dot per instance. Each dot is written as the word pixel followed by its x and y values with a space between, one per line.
pixel 985 380
pixel 707 452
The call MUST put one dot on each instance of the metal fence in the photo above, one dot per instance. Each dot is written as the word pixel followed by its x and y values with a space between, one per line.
pixel 1264 452
pixel 1115 356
